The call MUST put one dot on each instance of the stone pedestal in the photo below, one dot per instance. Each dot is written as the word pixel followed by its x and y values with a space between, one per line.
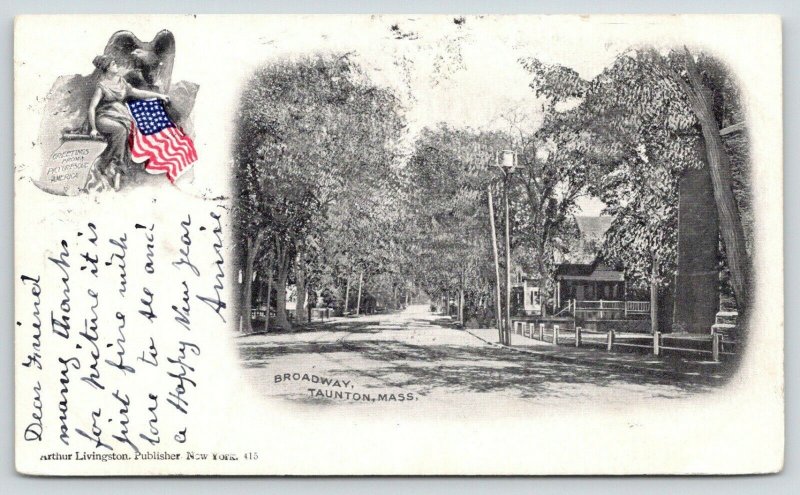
pixel 66 170
pixel 697 278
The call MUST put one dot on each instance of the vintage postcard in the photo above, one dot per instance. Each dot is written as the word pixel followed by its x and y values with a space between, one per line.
pixel 398 245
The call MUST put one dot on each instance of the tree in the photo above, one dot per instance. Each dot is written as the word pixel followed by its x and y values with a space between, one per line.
pixel 554 169
pixel 701 98
pixel 447 176
pixel 636 143
pixel 307 130
pixel 639 136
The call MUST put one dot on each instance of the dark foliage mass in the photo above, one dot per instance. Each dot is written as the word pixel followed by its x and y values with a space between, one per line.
pixel 334 199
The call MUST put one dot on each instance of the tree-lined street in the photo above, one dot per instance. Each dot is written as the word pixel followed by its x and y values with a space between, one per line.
pixel 338 201
pixel 345 206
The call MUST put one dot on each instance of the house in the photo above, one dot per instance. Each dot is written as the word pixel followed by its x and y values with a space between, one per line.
pixel 525 294
pixel 595 291
pixel 590 288
pixel 584 285
pixel 594 281
pixel 525 298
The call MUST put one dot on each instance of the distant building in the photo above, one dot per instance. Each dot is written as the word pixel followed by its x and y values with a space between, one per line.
pixel 588 282
pixel 592 235
pixel 525 294
pixel 589 288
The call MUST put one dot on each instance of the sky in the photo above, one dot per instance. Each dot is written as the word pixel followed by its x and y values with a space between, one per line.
pixel 465 71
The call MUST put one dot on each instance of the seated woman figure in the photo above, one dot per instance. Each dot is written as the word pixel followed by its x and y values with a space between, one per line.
pixel 109 116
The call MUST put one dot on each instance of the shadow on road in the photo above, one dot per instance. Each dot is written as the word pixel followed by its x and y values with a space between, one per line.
pixel 470 368
pixel 353 326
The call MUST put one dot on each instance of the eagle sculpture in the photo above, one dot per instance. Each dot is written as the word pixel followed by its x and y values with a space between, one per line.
pixel 145 65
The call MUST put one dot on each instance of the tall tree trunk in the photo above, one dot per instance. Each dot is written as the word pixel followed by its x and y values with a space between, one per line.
pixel 300 284
pixel 347 297
pixel 498 312
pixel 461 302
pixel 270 274
pixel 247 281
pixel 310 305
pixel 654 299
pixel 360 282
pixel 719 165
pixel 280 293
pixel 258 288
pixel 543 284
pixel 538 204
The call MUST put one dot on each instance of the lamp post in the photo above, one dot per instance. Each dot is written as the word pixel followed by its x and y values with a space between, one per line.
pixel 506 161
pixel 498 310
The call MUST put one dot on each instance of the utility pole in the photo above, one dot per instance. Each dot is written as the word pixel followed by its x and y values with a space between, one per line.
pixel 507 328
pixel 498 311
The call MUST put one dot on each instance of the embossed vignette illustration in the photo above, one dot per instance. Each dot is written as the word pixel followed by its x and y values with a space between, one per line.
pixel 590 240
pixel 104 131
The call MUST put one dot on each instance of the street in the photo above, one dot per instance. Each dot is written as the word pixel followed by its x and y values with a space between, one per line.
pixel 414 355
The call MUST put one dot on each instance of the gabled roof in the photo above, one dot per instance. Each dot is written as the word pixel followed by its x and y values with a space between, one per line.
pixel 593 227
pixel 575 269
pixel 590 271
pixel 592 232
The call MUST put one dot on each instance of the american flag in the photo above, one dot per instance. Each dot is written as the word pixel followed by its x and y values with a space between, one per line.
pixel 156 139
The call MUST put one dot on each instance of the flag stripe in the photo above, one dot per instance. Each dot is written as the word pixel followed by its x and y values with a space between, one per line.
pixel 162 155
pixel 176 157
pixel 174 146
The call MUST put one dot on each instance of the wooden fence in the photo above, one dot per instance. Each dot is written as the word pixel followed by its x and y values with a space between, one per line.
pixel 714 345
pixel 625 308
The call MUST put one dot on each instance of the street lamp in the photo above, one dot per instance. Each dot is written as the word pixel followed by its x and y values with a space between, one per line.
pixel 506 161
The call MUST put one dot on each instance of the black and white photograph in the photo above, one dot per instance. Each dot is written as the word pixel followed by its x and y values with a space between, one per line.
pixel 545 228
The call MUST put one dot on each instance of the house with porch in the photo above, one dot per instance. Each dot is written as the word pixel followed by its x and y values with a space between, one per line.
pixel 595 291
pixel 588 282
pixel 585 287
